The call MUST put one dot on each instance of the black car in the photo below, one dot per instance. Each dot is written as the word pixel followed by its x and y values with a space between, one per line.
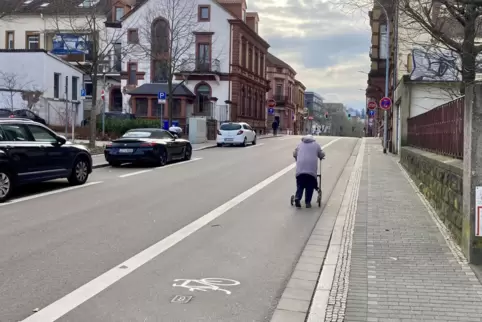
pixel 155 146
pixel 21 113
pixel 31 152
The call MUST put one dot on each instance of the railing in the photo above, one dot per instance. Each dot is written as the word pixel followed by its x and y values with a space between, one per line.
pixel 440 130
pixel 279 98
pixel 211 111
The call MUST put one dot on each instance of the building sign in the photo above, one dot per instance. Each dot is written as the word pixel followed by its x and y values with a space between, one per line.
pixel 431 63
pixel 65 44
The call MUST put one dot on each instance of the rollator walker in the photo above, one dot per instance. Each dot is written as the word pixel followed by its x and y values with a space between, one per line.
pixel 318 189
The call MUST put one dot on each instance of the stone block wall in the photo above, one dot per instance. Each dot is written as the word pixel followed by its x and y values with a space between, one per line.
pixel 440 179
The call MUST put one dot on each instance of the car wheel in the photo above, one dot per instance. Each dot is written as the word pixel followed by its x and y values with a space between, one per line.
pixel 162 157
pixel 114 163
pixel 80 171
pixel 6 185
pixel 254 140
pixel 244 142
pixel 188 152
pixel 219 145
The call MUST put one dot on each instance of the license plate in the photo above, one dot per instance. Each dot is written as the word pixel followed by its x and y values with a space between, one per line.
pixel 126 150
pixel 228 140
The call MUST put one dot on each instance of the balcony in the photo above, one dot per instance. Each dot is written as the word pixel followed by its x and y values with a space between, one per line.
pixel 205 67
pixel 280 99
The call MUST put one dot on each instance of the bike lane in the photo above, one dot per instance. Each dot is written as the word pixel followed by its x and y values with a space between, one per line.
pixel 232 269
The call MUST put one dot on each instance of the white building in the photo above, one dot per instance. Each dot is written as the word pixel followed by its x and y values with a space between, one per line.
pixel 200 58
pixel 43 83
pixel 66 30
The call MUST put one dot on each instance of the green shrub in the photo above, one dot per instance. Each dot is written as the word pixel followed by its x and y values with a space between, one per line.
pixel 119 127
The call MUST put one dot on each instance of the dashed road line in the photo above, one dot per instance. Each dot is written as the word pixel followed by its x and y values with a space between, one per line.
pixel 130 174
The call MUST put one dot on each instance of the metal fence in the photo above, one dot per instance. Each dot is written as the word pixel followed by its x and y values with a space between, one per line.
pixel 440 130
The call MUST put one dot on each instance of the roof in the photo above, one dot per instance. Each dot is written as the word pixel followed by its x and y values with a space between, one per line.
pixel 155 88
pixel 60 60
pixel 19 7
pixel 273 60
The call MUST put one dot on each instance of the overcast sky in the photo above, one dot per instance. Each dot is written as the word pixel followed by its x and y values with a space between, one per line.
pixel 326 45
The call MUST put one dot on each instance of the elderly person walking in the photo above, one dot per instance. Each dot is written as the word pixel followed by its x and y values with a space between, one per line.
pixel 306 155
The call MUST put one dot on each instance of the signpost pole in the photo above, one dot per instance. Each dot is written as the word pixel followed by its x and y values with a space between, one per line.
pixel 387 66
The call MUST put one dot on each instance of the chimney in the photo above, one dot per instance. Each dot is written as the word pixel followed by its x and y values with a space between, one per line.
pixel 252 20
pixel 236 7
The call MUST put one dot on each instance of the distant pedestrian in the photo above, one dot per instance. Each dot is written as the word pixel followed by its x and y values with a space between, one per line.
pixel 306 155
pixel 176 130
pixel 275 126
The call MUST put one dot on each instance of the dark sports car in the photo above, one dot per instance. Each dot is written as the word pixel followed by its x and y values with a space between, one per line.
pixel 155 146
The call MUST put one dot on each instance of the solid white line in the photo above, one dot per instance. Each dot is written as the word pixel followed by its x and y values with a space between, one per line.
pixel 44 194
pixel 179 163
pixel 72 300
pixel 253 146
pixel 166 166
pixel 134 173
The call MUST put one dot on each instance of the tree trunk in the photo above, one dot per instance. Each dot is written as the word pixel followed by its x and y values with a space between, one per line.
pixel 93 110
pixel 468 47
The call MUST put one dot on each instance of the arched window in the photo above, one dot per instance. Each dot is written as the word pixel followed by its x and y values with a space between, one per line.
pixel 203 93
pixel 242 101
pixel 160 50
pixel 250 111
pixel 255 104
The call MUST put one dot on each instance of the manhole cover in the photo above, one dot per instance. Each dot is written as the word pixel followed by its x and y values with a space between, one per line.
pixel 181 299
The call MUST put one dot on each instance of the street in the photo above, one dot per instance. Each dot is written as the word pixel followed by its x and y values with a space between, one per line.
pixel 120 247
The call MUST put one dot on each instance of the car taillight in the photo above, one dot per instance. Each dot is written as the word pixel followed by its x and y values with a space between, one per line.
pixel 12 116
pixel 240 132
pixel 108 145
pixel 219 132
pixel 148 144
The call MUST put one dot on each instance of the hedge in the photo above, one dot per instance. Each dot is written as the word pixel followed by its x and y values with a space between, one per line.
pixel 119 127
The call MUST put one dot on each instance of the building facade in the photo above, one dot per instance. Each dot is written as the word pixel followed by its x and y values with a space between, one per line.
pixel 220 73
pixel 314 104
pixel 300 107
pixel 282 91
pixel 42 83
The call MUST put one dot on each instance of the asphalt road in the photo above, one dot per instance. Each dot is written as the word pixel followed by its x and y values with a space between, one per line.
pixel 82 246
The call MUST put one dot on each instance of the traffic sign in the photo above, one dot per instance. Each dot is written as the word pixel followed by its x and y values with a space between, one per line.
pixel 372 105
pixel 385 103
pixel 271 103
pixel 310 117
pixel 102 95
pixel 161 97
pixel 82 93
pixel 371 112
pixel 270 111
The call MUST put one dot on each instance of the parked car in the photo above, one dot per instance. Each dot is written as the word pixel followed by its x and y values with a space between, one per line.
pixel 111 116
pixel 21 113
pixel 150 145
pixel 31 152
pixel 235 134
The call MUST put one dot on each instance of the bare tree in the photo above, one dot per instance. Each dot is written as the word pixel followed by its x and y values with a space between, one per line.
pixel 97 39
pixel 167 39
pixel 14 84
pixel 9 8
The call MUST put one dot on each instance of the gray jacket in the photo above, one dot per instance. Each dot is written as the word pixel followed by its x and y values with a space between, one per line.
pixel 307 154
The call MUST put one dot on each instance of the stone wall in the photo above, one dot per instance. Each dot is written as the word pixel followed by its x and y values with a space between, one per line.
pixel 440 179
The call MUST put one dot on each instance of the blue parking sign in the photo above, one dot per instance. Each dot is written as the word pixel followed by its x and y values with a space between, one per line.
pixel 161 95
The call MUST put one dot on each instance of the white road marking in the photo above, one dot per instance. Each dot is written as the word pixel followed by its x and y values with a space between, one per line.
pixel 48 193
pixel 206 284
pixel 166 166
pixel 87 291
pixel 179 163
pixel 253 146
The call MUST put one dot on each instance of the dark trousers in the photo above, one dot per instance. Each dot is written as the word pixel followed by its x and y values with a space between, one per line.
pixel 307 183
pixel 275 131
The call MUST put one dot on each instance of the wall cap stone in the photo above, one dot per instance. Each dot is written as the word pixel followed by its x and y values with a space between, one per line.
pixel 450 164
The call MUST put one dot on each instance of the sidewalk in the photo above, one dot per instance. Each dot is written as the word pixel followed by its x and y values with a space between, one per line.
pixel 389 257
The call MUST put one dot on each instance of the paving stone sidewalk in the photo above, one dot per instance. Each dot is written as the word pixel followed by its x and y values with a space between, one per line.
pixel 402 267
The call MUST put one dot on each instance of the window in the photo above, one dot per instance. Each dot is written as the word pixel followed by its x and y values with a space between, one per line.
pixel 279 70
pixel 32 40
pixel 163 135
pixel 243 55
pixel 203 59
pixel 41 135
pixel 250 111
pixel 15 132
pixel 250 59
pixel 10 39
pixel 117 57
pixel 204 13
pixel 261 66
pixel 279 89
pixel 230 127
pixel 3 136
pixel 75 84
pixel 119 13
pixel 132 73
pixel 132 36
pixel 256 63
pixel 56 85
pixel 141 107
pixel 88 89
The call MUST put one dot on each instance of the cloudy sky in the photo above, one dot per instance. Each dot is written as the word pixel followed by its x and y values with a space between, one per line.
pixel 325 43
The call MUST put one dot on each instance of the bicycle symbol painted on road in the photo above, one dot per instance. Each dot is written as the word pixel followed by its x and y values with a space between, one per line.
pixel 206 284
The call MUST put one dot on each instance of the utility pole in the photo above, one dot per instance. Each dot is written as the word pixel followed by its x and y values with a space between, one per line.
pixel 103 107
pixel 67 106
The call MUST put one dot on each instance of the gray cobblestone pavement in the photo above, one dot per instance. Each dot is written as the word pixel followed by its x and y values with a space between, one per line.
pixel 402 264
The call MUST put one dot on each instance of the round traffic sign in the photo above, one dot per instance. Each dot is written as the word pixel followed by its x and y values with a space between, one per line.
pixel 271 103
pixel 270 110
pixel 372 105
pixel 310 117
pixel 385 103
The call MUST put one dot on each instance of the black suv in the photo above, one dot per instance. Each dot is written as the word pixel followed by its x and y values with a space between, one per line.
pixel 31 152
